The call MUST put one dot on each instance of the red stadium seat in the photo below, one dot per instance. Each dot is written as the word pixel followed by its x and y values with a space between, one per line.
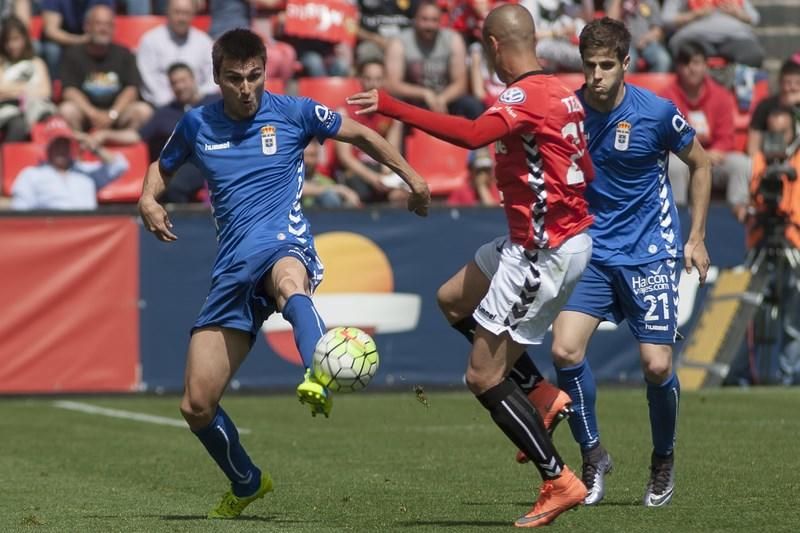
pixel 327 163
pixel 17 156
pixel 128 30
pixel 275 85
pixel 35 29
pixel 128 187
pixel 654 81
pixel 441 164
pixel 202 22
pixel 328 91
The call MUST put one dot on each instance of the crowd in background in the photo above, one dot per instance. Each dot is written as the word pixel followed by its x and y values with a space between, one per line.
pixel 75 91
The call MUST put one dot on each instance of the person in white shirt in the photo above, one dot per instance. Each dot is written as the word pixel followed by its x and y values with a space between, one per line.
pixel 174 42
pixel 63 182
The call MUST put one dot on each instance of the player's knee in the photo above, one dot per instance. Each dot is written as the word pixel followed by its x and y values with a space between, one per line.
pixel 288 286
pixel 657 371
pixel 565 355
pixel 197 411
pixel 475 381
pixel 479 381
pixel 71 113
pixel 447 304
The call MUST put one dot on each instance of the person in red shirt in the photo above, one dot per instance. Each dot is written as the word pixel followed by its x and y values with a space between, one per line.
pixel 507 297
pixel 709 109
pixel 480 188
pixel 373 181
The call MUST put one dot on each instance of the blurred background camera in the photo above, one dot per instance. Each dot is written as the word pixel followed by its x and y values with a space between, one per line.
pixel 774 253
pixel 776 154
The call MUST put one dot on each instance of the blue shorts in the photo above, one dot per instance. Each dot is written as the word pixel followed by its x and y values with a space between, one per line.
pixel 237 299
pixel 644 295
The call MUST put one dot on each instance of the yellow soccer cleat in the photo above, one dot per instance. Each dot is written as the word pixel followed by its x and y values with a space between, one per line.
pixel 312 393
pixel 231 505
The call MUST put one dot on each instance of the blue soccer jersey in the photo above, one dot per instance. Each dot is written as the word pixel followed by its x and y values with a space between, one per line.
pixel 254 168
pixel 255 174
pixel 636 221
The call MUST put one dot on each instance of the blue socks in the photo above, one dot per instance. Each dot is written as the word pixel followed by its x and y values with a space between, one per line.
pixel 221 439
pixel 578 382
pixel 307 325
pixel 663 401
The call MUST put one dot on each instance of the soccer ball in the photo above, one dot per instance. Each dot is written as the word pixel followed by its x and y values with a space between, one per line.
pixel 345 359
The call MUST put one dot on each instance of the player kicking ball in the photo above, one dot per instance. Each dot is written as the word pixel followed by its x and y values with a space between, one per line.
pixel 507 297
pixel 635 267
pixel 250 147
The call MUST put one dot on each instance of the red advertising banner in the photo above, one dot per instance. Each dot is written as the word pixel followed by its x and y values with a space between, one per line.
pixel 335 21
pixel 69 290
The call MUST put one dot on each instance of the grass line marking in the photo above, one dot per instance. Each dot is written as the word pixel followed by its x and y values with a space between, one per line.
pixel 126 415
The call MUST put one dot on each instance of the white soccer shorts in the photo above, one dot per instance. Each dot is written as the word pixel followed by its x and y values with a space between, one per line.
pixel 528 287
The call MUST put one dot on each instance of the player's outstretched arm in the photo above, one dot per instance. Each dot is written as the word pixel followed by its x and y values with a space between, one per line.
pixel 379 149
pixel 460 131
pixel 695 253
pixel 153 214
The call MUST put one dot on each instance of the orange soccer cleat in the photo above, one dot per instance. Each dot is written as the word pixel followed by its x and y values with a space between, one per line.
pixel 552 404
pixel 555 497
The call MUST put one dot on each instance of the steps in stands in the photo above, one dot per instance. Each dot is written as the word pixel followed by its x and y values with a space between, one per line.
pixel 779 28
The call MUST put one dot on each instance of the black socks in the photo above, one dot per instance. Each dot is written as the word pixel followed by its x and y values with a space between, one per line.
pixel 515 416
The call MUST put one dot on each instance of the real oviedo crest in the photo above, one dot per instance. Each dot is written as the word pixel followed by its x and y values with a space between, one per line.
pixel 269 140
pixel 622 136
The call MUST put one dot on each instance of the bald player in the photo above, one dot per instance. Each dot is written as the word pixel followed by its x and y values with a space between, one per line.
pixel 507 297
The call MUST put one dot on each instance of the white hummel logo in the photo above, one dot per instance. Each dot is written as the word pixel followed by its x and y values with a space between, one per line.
pixel 220 146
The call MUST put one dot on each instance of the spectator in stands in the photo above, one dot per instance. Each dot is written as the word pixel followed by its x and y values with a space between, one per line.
pixel 467 16
pixel 101 81
pixel 229 14
pixel 769 212
pixel 484 83
pixel 62 26
pixel 709 109
pixel 185 94
pixel 558 25
pixel 24 83
pixel 174 42
pixel 724 27
pixel 17 8
pixel 779 121
pixel 643 19
pixel 145 7
pixel 426 65
pixel 373 182
pixel 320 190
pixel 188 180
pixel 481 186
pixel 64 182
pixel 320 57
pixel 381 20
pixel 788 97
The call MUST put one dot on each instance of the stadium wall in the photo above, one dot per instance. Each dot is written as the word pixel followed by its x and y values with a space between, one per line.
pixel 95 304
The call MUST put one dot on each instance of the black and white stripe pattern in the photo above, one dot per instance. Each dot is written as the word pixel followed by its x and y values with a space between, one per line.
pixel 528 293
pixel 537 184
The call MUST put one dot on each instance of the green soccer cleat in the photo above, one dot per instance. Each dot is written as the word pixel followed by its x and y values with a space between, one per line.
pixel 311 392
pixel 231 506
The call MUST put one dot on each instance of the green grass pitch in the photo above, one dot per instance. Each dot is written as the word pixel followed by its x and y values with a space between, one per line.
pixel 385 462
